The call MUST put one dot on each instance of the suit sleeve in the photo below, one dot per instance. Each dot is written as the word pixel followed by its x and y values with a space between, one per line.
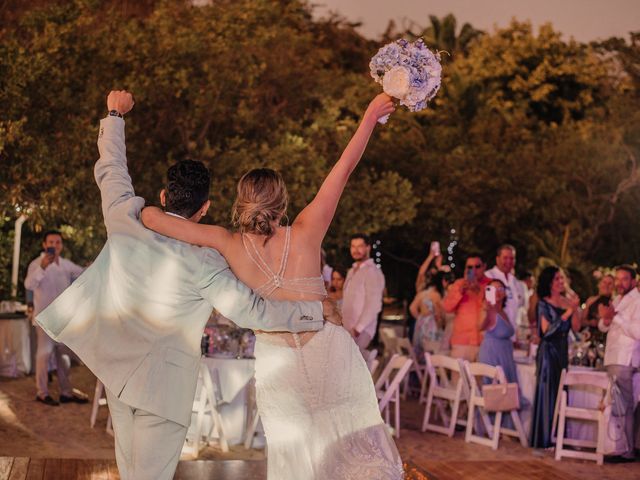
pixel 237 302
pixel 111 173
pixel 373 291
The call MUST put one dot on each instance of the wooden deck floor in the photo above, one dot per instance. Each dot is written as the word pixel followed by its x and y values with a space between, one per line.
pixel 22 468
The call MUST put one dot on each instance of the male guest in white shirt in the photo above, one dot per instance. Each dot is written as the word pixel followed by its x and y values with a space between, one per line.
pixel 622 356
pixel 503 271
pixel 48 276
pixel 362 294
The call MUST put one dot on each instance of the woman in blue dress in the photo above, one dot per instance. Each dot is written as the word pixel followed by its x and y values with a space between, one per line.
pixel 558 311
pixel 496 347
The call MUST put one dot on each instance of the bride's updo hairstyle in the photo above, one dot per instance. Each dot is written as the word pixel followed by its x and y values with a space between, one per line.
pixel 261 200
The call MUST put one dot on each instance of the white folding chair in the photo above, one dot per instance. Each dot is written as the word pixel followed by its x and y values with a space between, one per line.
pixel 99 401
pixel 473 372
pixel 253 417
pixel 370 358
pixel 598 413
pixel 388 388
pixel 442 392
pixel 206 407
pixel 404 347
pixel 387 336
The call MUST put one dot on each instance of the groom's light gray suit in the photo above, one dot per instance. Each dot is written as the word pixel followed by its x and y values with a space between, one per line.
pixel 135 317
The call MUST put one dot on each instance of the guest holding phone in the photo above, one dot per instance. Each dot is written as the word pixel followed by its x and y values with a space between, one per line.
pixel 496 348
pixel 465 298
pixel 48 276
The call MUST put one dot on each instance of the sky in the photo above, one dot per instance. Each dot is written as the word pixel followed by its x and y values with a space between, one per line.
pixel 584 20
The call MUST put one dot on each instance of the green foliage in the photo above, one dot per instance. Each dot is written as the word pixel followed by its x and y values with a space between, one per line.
pixel 533 139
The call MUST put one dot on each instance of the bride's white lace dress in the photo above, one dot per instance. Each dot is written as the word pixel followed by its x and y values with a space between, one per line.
pixel 317 401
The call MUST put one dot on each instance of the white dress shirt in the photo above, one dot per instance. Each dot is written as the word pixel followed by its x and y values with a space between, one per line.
pixel 515 294
pixel 623 339
pixel 362 297
pixel 47 284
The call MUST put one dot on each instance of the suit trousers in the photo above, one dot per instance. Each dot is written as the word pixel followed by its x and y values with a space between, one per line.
pixel 147 446
pixel 624 379
pixel 46 347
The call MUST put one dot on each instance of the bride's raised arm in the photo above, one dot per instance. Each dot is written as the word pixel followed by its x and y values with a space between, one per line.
pixel 181 229
pixel 316 217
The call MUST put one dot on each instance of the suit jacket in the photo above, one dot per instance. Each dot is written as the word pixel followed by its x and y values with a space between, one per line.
pixel 136 316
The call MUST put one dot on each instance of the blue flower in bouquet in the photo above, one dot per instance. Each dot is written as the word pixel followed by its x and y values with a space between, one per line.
pixel 408 71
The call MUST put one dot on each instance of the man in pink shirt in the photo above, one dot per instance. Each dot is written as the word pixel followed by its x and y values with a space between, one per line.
pixel 465 298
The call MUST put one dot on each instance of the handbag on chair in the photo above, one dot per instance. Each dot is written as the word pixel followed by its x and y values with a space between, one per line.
pixel 501 397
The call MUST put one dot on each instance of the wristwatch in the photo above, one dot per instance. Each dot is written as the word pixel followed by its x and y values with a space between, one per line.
pixel 115 113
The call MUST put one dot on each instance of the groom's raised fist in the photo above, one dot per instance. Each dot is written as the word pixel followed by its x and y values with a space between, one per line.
pixel 120 100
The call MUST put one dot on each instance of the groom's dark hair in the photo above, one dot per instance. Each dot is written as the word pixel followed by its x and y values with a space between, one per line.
pixel 188 184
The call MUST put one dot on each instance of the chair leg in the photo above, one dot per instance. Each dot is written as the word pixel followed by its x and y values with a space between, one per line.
pixel 251 431
pixel 427 411
pixel 97 395
pixel 423 388
pixel 397 411
pixel 600 445
pixel 561 426
pixel 496 431
pixel 470 414
pixel 220 430
pixel 515 416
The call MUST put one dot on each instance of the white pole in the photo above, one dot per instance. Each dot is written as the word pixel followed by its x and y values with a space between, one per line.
pixel 16 256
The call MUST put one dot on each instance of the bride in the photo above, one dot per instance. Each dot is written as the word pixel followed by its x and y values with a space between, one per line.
pixel 314 392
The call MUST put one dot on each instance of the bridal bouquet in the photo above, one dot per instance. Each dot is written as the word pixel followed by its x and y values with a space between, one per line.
pixel 408 71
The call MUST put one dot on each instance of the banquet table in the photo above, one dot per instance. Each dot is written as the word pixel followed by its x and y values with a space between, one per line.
pixel 235 375
pixel 15 346
pixel 578 397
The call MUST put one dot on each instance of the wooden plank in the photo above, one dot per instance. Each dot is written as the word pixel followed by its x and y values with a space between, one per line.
pixel 5 467
pixel 60 469
pixel 93 469
pixel 19 468
pixel 36 469
pixel 114 474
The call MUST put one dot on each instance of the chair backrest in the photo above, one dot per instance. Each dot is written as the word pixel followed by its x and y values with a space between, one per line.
pixel 373 366
pixel 388 338
pixel 440 368
pixel 390 371
pixel 371 355
pixel 398 364
pixel 473 370
pixel 574 378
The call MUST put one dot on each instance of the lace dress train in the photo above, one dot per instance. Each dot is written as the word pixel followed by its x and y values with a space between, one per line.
pixel 319 410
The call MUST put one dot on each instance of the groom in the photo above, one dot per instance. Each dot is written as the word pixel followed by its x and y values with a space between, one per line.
pixel 136 316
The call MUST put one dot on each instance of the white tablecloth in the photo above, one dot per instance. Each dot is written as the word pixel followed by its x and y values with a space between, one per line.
pixel 579 397
pixel 235 375
pixel 15 347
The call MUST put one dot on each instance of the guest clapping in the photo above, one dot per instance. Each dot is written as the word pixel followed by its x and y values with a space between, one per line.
pixel 558 312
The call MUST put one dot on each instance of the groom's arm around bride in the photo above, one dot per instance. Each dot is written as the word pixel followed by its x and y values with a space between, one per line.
pixel 136 316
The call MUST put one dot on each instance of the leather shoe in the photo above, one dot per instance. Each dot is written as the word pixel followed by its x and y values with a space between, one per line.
pixel 47 401
pixel 76 397
pixel 619 459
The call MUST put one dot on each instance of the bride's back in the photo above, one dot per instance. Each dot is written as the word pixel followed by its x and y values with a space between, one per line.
pixel 282 263
pixel 280 268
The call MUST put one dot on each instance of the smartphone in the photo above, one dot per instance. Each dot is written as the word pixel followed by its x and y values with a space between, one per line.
pixel 51 251
pixel 471 275
pixel 435 248
pixel 490 294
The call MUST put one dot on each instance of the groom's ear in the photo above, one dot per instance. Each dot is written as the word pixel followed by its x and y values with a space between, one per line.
pixel 163 197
